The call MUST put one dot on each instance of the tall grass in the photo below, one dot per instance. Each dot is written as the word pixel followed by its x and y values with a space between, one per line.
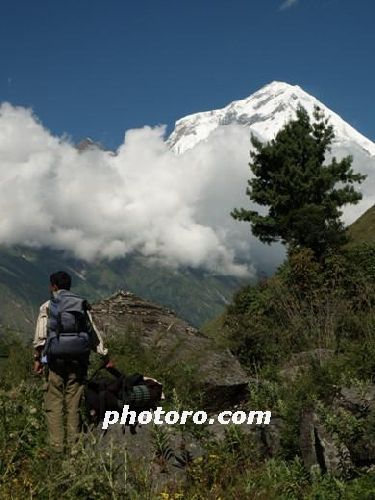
pixel 306 306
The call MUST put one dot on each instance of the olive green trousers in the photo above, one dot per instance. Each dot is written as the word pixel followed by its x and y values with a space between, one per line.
pixel 62 400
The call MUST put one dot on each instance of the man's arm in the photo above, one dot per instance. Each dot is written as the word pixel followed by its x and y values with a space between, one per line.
pixel 97 341
pixel 40 337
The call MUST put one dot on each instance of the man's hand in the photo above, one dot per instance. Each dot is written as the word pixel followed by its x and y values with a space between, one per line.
pixel 38 367
pixel 109 364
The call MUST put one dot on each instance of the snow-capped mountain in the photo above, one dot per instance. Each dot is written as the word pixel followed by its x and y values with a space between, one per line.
pixel 265 112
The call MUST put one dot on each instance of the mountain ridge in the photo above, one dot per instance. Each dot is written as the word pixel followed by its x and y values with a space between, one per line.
pixel 265 112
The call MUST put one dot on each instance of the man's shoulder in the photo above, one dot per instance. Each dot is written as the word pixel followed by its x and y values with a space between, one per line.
pixel 69 296
pixel 44 307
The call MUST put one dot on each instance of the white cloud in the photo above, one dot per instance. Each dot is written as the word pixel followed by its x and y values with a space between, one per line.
pixel 287 4
pixel 172 209
pixel 96 204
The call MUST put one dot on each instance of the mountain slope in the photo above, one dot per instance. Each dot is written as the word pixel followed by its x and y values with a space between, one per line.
pixel 265 112
pixel 24 273
pixel 363 229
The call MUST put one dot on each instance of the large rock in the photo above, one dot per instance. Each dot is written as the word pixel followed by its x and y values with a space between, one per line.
pixel 321 451
pixel 175 343
pixel 358 401
pixel 360 404
pixel 354 411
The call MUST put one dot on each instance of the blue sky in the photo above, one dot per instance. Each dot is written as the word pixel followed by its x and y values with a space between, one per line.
pixel 95 68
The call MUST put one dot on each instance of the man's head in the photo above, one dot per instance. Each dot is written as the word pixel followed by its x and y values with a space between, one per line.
pixel 60 281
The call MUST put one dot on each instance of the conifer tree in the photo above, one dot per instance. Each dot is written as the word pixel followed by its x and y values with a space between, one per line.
pixel 303 193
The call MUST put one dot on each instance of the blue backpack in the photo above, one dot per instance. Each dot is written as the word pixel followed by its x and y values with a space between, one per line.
pixel 68 328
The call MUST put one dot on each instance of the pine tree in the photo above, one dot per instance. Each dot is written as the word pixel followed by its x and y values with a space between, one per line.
pixel 303 193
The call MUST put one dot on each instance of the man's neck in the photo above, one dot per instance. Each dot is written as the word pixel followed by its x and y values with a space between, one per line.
pixel 56 292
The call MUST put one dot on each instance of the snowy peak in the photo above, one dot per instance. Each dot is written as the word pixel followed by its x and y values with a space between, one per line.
pixel 88 144
pixel 265 112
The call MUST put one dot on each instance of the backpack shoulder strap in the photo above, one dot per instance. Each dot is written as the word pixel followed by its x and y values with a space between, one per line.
pixel 53 314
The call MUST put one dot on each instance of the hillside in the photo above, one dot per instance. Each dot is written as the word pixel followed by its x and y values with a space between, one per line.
pixel 363 229
pixel 194 295
pixel 319 442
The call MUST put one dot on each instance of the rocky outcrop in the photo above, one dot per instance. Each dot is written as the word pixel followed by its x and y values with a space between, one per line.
pixel 359 403
pixel 329 450
pixel 322 451
pixel 173 341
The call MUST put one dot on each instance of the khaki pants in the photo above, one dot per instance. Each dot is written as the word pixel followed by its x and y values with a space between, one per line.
pixel 62 400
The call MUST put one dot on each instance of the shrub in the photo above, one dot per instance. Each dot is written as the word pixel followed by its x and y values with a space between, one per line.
pixel 306 305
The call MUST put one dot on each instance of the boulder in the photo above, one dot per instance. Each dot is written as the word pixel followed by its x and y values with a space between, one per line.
pixel 358 401
pixel 161 333
pixel 360 404
pixel 355 447
pixel 320 450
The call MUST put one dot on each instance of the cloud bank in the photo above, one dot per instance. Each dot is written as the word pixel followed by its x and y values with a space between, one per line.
pixel 144 198
pixel 99 205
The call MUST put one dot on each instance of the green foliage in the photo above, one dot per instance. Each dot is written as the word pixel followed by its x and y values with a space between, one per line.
pixel 216 476
pixel 230 468
pixel 307 305
pixel 303 193
pixel 284 480
pixel 341 423
pixel 310 305
pixel 178 377
pixel 15 363
pixel 217 331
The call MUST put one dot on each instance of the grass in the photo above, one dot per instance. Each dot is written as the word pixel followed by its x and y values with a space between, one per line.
pixel 363 229
pixel 229 468
pixel 303 307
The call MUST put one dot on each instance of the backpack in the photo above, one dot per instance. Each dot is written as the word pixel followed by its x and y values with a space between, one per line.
pixel 103 394
pixel 68 328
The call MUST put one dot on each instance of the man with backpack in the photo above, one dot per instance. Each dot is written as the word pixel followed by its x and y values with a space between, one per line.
pixel 65 335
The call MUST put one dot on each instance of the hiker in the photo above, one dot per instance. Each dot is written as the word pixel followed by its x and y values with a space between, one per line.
pixel 64 336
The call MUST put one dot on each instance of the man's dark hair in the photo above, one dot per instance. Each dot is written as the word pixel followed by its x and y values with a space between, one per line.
pixel 61 279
